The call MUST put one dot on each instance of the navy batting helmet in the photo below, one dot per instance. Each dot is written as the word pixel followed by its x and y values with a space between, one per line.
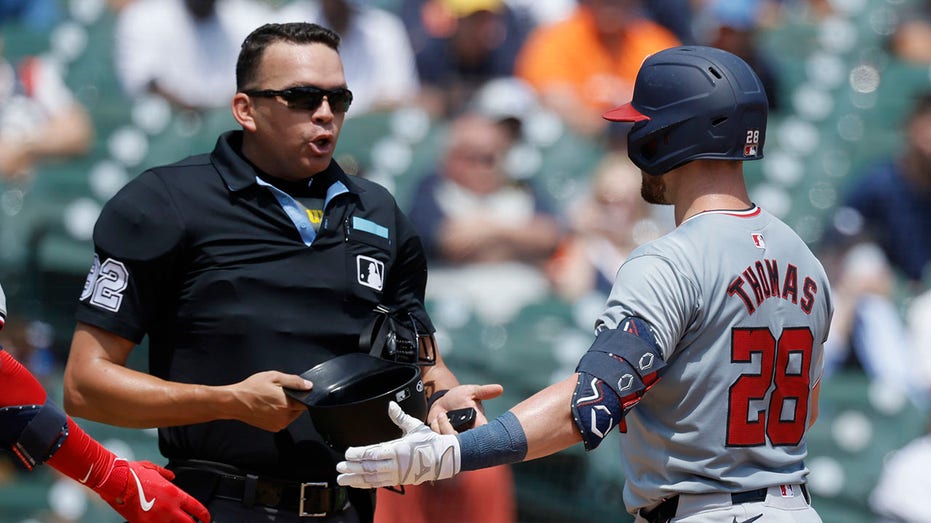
pixel 690 103
pixel 349 400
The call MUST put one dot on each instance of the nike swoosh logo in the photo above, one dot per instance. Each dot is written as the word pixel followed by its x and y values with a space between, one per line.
pixel 751 520
pixel 87 477
pixel 146 504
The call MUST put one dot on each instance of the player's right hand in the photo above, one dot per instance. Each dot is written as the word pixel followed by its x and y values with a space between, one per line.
pixel 142 492
pixel 419 455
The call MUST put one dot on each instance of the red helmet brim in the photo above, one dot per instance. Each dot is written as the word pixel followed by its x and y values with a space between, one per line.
pixel 625 113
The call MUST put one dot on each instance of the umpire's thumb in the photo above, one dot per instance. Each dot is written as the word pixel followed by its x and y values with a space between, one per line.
pixel 487 392
pixel 406 423
pixel 293 381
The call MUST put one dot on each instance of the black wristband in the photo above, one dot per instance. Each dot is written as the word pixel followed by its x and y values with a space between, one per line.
pixel 434 397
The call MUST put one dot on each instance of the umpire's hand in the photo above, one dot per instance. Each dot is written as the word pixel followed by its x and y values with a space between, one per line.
pixel 259 400
pixel 460 397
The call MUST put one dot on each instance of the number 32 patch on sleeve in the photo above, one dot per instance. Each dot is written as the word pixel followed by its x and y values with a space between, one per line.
pixel 105 284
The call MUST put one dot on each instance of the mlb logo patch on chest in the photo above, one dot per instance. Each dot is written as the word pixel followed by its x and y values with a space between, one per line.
pixel 370 272
pixel 757 239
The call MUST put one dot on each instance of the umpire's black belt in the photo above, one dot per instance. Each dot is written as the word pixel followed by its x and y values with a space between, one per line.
pixel 310 499
pixel 667 509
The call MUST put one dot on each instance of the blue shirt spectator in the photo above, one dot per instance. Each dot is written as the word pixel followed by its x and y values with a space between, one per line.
pixel 38 15
pixel 896 214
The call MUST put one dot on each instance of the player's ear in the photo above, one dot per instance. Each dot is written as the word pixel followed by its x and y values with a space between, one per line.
pixel 243 111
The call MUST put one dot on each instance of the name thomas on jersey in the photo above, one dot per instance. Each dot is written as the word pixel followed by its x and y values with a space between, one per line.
pixel 762 280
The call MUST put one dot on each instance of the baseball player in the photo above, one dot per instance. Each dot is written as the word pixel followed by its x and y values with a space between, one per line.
pixel 708 355
pixel 36 431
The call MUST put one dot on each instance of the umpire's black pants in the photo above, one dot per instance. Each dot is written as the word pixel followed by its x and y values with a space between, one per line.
pixel 228 511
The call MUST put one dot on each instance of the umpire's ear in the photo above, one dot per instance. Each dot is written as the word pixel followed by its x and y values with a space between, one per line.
pixel 242 109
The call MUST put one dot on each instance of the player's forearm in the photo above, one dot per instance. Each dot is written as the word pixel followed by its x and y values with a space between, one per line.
pixel 82 458
pixel 539 426
pixel 546 418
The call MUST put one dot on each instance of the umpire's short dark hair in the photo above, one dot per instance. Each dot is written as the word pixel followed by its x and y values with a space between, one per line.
pixel 250 54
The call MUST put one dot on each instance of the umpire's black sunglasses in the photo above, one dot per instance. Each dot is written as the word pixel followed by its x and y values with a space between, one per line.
pixel 308 97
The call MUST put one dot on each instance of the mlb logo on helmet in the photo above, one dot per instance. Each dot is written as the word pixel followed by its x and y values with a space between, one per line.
pixel 405 393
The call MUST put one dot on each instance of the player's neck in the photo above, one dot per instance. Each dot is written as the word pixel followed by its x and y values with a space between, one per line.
pixel 701 189
pixel 711 203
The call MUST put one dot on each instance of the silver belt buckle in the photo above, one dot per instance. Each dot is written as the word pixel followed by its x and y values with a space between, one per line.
pixel 301 512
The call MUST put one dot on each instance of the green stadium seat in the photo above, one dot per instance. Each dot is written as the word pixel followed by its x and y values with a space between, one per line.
pixel 856 435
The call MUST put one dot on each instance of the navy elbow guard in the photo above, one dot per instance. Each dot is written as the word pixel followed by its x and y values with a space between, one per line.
pixel 33 432
pixel 619 367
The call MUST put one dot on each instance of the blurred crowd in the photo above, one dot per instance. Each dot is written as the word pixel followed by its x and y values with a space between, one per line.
pixel 491 76
pixel 488 75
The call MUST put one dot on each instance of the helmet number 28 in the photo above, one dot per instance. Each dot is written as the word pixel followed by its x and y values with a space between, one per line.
pixel 773 403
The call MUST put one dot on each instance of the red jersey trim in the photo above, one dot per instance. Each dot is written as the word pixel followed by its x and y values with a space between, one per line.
pixel 752 212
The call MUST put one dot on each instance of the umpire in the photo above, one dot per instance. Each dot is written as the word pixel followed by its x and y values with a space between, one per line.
pixel 244 267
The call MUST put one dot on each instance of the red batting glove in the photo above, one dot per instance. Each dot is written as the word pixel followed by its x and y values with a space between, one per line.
pixel 142 491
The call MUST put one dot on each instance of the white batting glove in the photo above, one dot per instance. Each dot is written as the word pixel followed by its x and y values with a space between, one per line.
pixel 419 455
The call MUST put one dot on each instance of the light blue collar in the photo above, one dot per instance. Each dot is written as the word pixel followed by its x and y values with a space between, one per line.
pixel 295 210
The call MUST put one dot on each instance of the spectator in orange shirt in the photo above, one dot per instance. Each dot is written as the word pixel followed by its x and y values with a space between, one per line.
pixel 587 63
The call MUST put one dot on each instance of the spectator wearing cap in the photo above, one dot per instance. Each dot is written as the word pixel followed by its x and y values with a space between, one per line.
pixel 508 100
pixel 460 45
pixel 377 56
pixel 587 64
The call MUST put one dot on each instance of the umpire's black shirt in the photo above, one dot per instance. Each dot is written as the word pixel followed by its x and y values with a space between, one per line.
pixel 201 257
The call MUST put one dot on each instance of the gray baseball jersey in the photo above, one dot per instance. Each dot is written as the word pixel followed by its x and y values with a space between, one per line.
pixel 740 308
